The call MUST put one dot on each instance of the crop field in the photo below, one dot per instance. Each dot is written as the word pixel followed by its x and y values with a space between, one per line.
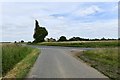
pixel 103 59
pixel 12 54
pixel 82 43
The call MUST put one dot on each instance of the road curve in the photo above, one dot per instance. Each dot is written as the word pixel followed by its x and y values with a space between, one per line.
pixel 53 62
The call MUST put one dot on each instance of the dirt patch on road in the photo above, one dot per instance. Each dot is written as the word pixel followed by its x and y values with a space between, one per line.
pixel 76 54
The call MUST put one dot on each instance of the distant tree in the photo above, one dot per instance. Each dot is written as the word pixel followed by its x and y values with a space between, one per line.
pixel 96 39
pixel 76 39
pixel 39 33
pixel 103 38
pixel 72 39
pixel 86 39
pixel 109 39
pixel 62 38
pixel 50 40
pixel 29 42
pixel 54 40
pixel 47 40
pixel 15 42
pixel 22 41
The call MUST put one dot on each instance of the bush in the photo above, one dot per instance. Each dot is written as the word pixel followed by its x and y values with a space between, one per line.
pixel 29 42
pixel 62 38
pixel 22 41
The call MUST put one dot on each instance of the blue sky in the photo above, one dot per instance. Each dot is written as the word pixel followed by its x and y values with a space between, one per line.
pixel 83 19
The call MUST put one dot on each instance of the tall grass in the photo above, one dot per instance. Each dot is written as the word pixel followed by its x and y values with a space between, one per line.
pixel 22 68
pixel 105 60
pixel 12 54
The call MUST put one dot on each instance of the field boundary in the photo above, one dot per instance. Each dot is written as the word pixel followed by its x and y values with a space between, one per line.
pixel 91 44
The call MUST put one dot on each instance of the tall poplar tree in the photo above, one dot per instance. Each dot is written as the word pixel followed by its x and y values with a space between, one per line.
pixel 39 33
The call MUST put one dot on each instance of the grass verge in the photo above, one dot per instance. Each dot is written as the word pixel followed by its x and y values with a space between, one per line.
pixel 82 44
pixel 17 60
pixel 12 54
pixel 21 69
pixel 104 60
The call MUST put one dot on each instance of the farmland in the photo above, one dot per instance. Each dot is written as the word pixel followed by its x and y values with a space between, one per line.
pixel 82 43
pixel 104 57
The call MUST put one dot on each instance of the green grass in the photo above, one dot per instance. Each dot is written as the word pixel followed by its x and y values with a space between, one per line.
pixel 22 68
pixel 82 44
pixel 105 60
pixel 12 54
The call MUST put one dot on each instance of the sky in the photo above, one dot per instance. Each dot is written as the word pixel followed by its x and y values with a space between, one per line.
pixel 82 19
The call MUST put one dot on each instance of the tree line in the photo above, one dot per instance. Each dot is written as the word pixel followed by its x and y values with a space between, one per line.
pixel 63 38
pixel 41 32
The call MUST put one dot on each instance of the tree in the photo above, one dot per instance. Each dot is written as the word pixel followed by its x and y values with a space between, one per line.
pixel 62 38
pixel 22 41
pixel 15 42
pixel 75 39
pixel 39 33
pixel 103 38
pixel 29 42
pixel 51 40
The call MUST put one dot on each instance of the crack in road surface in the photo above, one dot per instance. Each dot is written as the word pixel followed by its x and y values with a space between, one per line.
pixel 53 62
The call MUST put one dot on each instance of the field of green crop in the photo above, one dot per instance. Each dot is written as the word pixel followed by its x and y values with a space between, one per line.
pixel 82 43
pixel 13 54
pixel 104 59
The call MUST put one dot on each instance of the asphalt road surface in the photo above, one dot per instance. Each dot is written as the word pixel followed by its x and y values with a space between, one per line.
pixel 54 62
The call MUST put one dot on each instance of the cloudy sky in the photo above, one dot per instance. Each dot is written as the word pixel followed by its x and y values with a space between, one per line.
pixel 83 19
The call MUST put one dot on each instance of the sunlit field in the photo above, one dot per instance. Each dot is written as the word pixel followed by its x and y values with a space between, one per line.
pixel 82 43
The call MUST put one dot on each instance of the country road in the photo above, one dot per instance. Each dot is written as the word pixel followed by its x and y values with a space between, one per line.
pixel 54 62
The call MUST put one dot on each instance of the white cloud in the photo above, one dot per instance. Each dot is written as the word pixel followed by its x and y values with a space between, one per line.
pixel 88 11
pixel 98 29
pixel 20 25
pixel 60 17
pixel 115 8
